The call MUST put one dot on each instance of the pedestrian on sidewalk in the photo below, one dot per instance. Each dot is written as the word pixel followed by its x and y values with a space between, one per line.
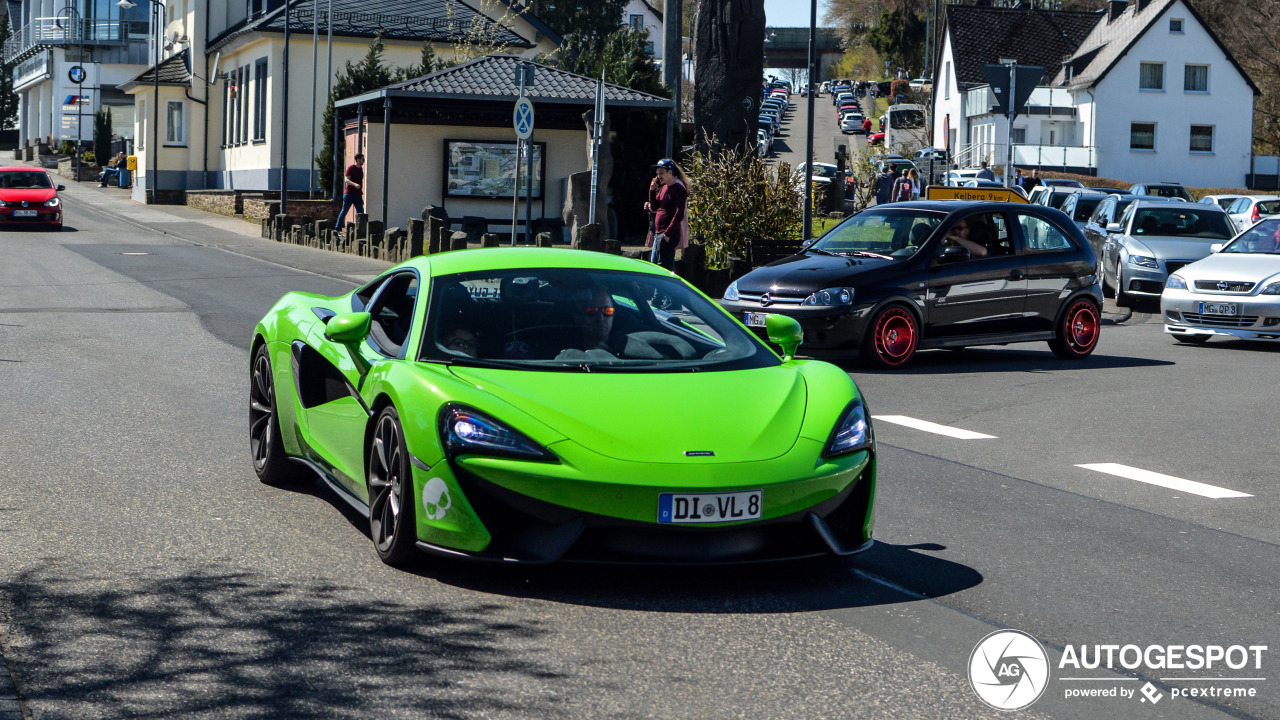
pixel 914 176
pixel 1029 183
pixel 670 221
pixel 985 173
pixel 884 184
pixel 112 170
pixel 902 187
pixel 353 192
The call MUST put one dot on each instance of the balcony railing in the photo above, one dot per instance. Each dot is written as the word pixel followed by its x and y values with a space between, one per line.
pixel 1050 156
pixel 61 31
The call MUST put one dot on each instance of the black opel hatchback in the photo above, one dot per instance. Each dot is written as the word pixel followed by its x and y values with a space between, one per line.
pixel 902 277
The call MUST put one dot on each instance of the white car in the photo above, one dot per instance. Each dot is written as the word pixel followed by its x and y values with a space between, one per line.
pixel 1234 292
pixel 1249 209
pixel 1224 201
pixel 851 123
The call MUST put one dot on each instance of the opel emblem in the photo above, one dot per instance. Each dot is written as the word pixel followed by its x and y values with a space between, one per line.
pixel 765 300
pixel 1223 285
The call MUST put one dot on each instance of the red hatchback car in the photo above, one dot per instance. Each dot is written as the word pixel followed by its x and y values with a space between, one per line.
pixel 28 198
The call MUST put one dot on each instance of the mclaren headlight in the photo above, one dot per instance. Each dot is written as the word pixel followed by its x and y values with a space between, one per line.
pixel 1175 283
pixel 852 433
pixel 731 294
pixel 830 297
pixel 465 431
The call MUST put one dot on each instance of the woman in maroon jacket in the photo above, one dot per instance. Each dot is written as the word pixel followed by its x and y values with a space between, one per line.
pixel 669 220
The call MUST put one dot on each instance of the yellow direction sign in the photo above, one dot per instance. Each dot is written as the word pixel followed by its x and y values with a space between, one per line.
pixel 941 192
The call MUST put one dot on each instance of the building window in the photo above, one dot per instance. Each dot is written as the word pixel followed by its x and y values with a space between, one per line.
pixel 648 48
pixel 637 22
pixel 244 115
pixel 260 100
pixel 1151 76
pixel 142 124
pixel 226 103
pixel 1196 78
pixel 1019 136
pixel 1175 25
pixel 175 123
pixel 946 86
pixel 1142 136
pixel 1202 138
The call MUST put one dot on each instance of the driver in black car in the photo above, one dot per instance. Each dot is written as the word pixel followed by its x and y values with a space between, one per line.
pixel 959 237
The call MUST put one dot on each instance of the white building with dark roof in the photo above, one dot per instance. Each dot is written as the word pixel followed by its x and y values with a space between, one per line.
pixel 1140 91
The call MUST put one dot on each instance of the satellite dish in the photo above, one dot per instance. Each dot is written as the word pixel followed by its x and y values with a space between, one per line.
pixel 174 34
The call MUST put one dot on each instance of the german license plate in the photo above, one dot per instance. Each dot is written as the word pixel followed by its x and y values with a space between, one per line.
pixel 709 507
pixel 24 213
pixel 1219 308
pixel 756 319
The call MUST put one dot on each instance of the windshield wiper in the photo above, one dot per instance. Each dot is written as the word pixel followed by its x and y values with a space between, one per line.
pixel 866 253
pixel 823 252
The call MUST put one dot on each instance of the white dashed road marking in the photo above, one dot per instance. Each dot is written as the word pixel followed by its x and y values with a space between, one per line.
pixel 927 426
pixel 1167 481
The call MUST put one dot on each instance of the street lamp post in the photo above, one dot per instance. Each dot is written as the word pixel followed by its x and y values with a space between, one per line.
pixel 79 86
pixel 808 138
pixel 152 169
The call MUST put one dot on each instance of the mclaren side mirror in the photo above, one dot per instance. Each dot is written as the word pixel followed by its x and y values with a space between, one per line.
pixel 348 328
pixel 785 332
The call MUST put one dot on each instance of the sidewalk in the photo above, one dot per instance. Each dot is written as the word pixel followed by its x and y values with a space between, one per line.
pixel 203 228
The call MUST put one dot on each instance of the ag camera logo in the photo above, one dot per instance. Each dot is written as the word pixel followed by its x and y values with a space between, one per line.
pixel 1009 670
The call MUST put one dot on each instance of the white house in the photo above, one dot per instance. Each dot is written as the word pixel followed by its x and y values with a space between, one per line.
pixel 222 113
pixel 644 16
pixel 1140 91
pixel 1161 98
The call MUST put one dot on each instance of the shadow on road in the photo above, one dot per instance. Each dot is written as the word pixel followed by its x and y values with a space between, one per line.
pixel 220 642
pixel 783 587
pixel 988 360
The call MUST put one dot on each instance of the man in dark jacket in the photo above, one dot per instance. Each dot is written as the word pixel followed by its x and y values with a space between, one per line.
pixel 884 184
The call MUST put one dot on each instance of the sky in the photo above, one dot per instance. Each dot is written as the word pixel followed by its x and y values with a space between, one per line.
pixel 791 13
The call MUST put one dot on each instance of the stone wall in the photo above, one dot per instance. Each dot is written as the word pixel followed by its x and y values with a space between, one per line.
pixel 88 171
pixel 222 202
pixel 257 209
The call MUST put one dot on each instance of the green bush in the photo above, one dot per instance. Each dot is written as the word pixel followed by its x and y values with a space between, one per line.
pixel 88 156
pixel 735 197
pixel 68 147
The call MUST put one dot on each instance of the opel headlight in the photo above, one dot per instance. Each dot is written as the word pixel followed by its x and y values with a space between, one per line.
pixel 852 433
pixel 831 296
pixel 468 432
pixel 731 293
pixel 1175 283
pixel 53 203
pixel 1144 261
pixel 1272 289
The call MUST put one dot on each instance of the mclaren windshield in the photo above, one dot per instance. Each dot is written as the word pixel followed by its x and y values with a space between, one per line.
pixel 570 319
pixel 890 232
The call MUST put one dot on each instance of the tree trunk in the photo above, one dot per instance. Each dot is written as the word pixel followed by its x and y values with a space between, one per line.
pixel 729 71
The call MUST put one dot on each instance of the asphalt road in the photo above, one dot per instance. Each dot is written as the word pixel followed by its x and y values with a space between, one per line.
pixel 144 572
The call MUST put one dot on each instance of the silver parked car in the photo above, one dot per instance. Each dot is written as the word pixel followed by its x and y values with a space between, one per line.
pixel 1157 237
pixel 1234 292
pixel 1249 209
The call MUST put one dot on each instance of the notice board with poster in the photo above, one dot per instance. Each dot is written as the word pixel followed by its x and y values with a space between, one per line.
pixel 487 169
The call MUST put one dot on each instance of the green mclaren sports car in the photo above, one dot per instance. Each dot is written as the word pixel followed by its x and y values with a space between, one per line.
pixel 534 405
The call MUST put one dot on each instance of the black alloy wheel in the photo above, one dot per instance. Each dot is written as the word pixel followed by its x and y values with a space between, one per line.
pixel 390 481
pixel 1078 330
pixel 269 460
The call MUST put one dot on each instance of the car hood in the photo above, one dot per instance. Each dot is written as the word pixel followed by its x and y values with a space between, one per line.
pixel 1175 248
pixel 804 273
pixel 1243 267
pixel 31 195
pixel 741 416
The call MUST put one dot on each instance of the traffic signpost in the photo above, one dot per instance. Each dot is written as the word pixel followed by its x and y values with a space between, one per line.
pixel 522 120
pixel 1011 87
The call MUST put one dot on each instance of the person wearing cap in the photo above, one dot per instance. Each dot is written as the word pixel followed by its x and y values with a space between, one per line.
pixel 669 219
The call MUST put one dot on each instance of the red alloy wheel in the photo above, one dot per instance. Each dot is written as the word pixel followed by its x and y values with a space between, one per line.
pixel 895 336
pixel 1082 326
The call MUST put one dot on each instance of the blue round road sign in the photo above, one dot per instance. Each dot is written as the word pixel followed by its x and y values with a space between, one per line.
pixel 522 118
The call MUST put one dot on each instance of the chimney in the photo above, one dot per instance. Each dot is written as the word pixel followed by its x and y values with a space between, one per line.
pixel 1142 5
pixel 1115 8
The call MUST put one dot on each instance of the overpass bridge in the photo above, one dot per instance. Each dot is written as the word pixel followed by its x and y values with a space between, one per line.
pixel 788 47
